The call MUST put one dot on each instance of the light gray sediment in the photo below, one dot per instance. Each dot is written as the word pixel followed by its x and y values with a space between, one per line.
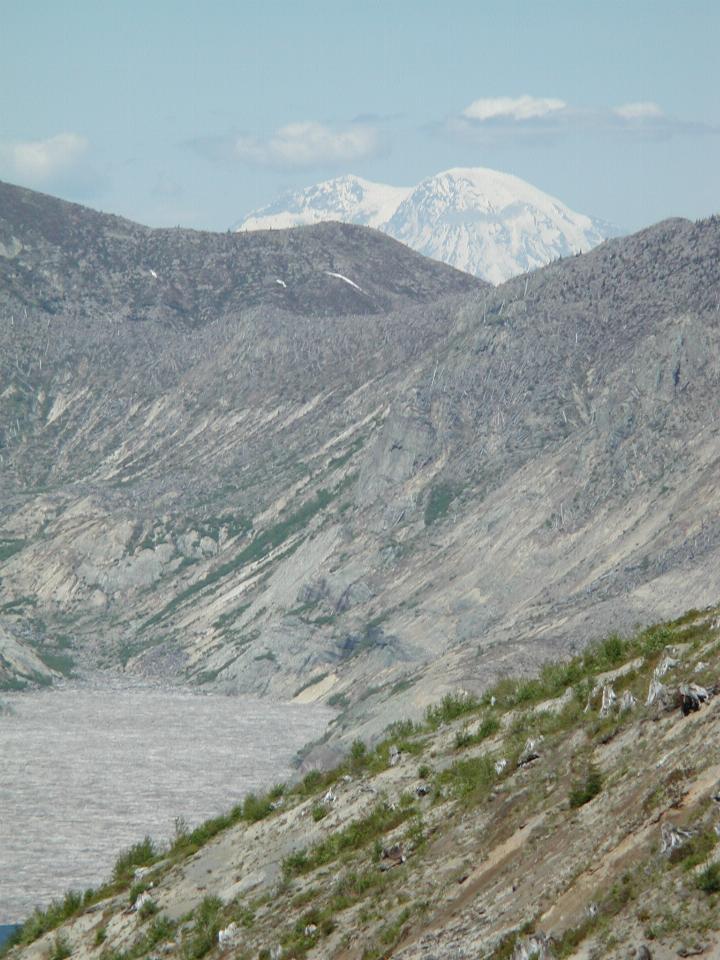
pixel 91 767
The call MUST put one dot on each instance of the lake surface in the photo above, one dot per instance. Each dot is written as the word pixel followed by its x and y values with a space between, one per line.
pixel 6 931
pixel 89 768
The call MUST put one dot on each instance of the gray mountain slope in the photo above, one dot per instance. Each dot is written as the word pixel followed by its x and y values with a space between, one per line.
pixel 369 508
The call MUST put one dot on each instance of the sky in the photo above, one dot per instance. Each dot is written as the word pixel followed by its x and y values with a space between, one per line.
pixel 178 112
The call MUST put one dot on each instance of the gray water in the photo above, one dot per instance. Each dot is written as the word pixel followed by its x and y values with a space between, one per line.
pixel 90 768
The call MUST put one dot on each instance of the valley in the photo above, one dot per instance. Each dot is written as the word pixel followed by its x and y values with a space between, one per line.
pixel 366 509
pixel 313 467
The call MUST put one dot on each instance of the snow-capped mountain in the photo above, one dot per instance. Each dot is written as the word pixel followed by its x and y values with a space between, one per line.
pixel 349 199
pixel 492 224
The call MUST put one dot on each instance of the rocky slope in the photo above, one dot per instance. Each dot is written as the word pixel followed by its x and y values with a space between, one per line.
pixel 490 224
pixel 366 508
pixel 575 815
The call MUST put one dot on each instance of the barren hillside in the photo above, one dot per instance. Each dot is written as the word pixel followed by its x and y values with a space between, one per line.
pixel 368 503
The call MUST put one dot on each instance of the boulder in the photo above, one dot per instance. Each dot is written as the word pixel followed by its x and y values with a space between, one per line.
pixel 672 837
pixel 393 856
pixel 690 697
pixel 229 936
pixel 609 700
pixel 627 702
pixel 535 947
pixel 530 751
pixel 658 693
pixel 666 664
pixel 143 899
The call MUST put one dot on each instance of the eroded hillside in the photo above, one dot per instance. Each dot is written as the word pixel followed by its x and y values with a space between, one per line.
pixel 370 508
pixel 572 814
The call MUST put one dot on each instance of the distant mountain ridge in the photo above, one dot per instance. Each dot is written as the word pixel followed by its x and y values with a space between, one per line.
pixel 482 221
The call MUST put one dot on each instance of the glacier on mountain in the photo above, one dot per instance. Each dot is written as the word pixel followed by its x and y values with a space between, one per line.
pixel 482 221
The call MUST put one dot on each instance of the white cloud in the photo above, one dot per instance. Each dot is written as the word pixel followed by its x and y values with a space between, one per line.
pixel 512 108
pixel 307 144
pixel 641 110
pixel 39 160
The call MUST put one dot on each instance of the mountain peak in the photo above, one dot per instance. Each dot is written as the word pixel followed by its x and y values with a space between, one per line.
pixel 483 221
pixel 349 198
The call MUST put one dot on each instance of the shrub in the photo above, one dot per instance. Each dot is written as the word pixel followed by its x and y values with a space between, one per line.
pixel 147 910
pixel 358 754
pixel 584 791
pixel 319 811
pixel 41 921
pixel 471 779
pixel 311 781
pixel 60 949
pixel 139 855
pixel 696 850
pixel 489 726
pixel 205 929
pixel 451 707
pixel 255 808
pixel 438 503
pixel 162 928
pixel 709 880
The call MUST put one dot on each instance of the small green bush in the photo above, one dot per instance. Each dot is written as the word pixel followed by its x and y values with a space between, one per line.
pixel 139 855
pixel 60 949
pixel 311 781
pixel 488 727
pixel 469 780
pixel 696 850
pixel 584 791
pixel 709 879
pixel 255 808
pixel 319 811
pixel 358 755
pixel 147 910
pixel 451 707
pixel 205 928
pixel 438 503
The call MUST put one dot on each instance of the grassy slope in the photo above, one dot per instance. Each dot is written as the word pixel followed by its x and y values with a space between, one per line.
pixel 567 844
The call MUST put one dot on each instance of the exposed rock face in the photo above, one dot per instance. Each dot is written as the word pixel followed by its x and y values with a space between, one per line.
pixel 379 505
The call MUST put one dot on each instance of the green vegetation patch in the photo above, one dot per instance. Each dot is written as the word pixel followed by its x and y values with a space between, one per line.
pixel 438 502
pixel 9 547
pixel 469 780
pixel 451 707
pixel 355 835
pixel 588 788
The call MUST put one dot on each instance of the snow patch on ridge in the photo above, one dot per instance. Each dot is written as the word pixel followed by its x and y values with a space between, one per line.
pixel 339 276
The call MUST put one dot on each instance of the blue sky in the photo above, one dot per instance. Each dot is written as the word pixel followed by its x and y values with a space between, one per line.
pixel 180 112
